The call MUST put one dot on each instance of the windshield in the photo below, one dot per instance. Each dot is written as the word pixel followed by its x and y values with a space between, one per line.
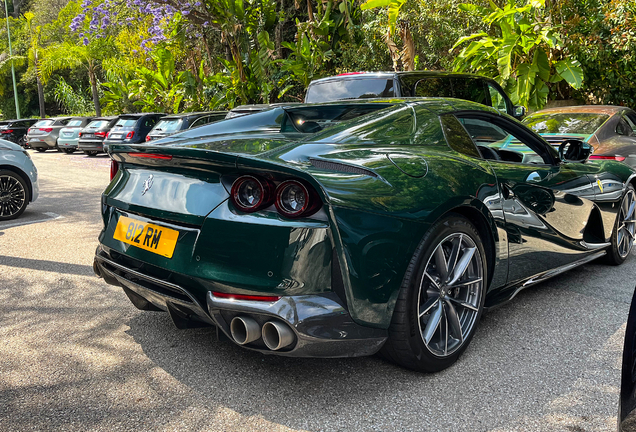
pixel 126 122
pixel 74 123
pixel 97 124
pixel 168 125
pixel 46 122
pixel 563 123
pixel 350 89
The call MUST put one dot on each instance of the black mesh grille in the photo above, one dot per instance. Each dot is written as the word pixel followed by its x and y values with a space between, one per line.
pixel 340 167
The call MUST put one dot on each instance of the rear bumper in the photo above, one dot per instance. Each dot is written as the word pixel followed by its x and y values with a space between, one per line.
pixel 321 324
pixel 90 146
pixel 45 141
pixel 67 142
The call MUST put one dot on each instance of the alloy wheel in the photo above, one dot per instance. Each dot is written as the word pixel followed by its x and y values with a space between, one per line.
pixel 12 196
pixel 450 294
pixel 626 231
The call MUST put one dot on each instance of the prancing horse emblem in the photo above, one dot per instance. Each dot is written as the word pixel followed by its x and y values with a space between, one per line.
pixel 147 184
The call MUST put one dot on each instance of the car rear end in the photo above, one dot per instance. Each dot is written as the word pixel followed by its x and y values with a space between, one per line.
pixel 40 136
pixel 221 238
pixel 167 126
pixel 131 129
pixel 68 139
pixel 91 138
pixel 16 130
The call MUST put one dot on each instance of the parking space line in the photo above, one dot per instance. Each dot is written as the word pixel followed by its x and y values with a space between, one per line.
pixel 51 216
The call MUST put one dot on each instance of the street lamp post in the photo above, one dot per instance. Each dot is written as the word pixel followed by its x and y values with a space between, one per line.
pixel 15 88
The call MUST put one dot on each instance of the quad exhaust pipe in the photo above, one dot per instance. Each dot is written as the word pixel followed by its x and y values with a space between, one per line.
pixel 277 335
pixel 244 330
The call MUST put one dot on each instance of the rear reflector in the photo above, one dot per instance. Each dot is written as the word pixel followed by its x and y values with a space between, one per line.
pixel 150 156
pixel 246 297
pixel 608 157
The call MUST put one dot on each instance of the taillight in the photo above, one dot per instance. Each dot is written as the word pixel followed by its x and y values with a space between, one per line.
pixel 250 193
pixel 246 297
pixel 608 157
pixel 28 130
pixel 294 199
pixel 7 131
pixel 148 138
pixel 46 129
pixel 130 134
pixel 114 167
pixel 80 135
pixel 100 134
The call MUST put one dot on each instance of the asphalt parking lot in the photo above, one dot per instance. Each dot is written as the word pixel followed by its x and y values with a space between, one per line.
pixel 76 355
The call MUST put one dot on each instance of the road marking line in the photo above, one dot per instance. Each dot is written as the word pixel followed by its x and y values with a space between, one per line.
pixel 51 216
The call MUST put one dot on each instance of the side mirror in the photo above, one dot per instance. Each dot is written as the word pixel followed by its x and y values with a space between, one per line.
pixel 574 151
pixel 520 111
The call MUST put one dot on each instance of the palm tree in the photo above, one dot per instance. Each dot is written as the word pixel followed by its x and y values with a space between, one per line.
pixel 34 57
pixel 67 55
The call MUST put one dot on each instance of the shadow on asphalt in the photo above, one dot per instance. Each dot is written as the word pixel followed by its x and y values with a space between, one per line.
pixel 526 354
pixel 45 265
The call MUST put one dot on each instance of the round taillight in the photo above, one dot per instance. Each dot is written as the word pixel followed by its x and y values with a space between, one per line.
pixel 250 193
pixel 294 199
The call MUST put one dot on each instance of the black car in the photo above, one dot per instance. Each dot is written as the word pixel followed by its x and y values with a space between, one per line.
pixel 131 129
pixel 171 124
pixel 16 130
pixel 91 138
pixel 627 401
pixel 364 85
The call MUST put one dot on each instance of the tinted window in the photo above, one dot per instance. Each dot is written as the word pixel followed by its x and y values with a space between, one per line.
pixel 126 122
pixel 456 136
pixel 622 128
pixel 46 122
pixel 74 123
pixel 312 119
pixel 433 87
pixel 150 122
pixel 579 123
pixel 497 100
pixel 496 143
pixel 168 125
pixel 350 89
pixel 97 124
pixel 470 89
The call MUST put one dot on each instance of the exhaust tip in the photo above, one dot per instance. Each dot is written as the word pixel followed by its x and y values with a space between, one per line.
pixel 277 335
pixel 244 330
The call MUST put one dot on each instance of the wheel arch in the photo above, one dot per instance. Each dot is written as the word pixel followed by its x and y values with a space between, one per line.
pixel 21 174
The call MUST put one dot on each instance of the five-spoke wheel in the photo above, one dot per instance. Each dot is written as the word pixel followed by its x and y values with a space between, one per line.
pixel 624 230
pixel 14 195
pixel 441 298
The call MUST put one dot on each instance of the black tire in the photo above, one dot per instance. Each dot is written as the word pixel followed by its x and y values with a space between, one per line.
pixel 22 141
pixel 40 149
pixel 90 152
pixel 624 233
pixel 406 344
pixel 70 150
pixel 14 195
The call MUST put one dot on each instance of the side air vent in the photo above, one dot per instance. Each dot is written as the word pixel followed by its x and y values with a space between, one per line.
pixel 340 167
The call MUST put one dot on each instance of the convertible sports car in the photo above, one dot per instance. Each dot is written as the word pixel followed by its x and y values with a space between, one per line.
pixel 611 130
pixel 391 231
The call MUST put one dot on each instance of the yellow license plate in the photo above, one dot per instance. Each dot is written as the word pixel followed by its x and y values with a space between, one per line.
pixel 147 236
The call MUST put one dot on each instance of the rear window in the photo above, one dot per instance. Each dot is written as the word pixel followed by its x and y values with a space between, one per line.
pixel 74 123
pixel 578 123
pixel 314 119
pixel 97 124
pixel 126 122
pixel 168 125
pixel 46 122
pixel 350 89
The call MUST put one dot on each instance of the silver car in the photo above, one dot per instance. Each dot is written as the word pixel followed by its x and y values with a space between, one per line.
pixel 18 180
pixel 43 135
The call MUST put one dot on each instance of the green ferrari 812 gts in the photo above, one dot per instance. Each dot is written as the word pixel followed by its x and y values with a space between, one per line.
pixel 335 231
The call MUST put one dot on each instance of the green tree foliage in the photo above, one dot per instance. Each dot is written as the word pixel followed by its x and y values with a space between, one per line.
pixel 526 55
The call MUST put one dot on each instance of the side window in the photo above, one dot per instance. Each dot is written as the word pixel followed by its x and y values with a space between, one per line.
pixel 496 143
pixel 433 87
pixel 622 128
pixel 150 122
pixel 200 122
pixel 470 89
pixel 456 136
pixel 630 124
pixel 631 116
pixel 497 99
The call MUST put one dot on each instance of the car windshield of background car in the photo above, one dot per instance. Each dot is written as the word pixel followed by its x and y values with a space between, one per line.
pixel 168 125
pixel 42 123
pixel 562 123
pixel 97 124
pixel 350 89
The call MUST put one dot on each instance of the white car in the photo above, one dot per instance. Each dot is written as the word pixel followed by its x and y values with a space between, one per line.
pixel 18 180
